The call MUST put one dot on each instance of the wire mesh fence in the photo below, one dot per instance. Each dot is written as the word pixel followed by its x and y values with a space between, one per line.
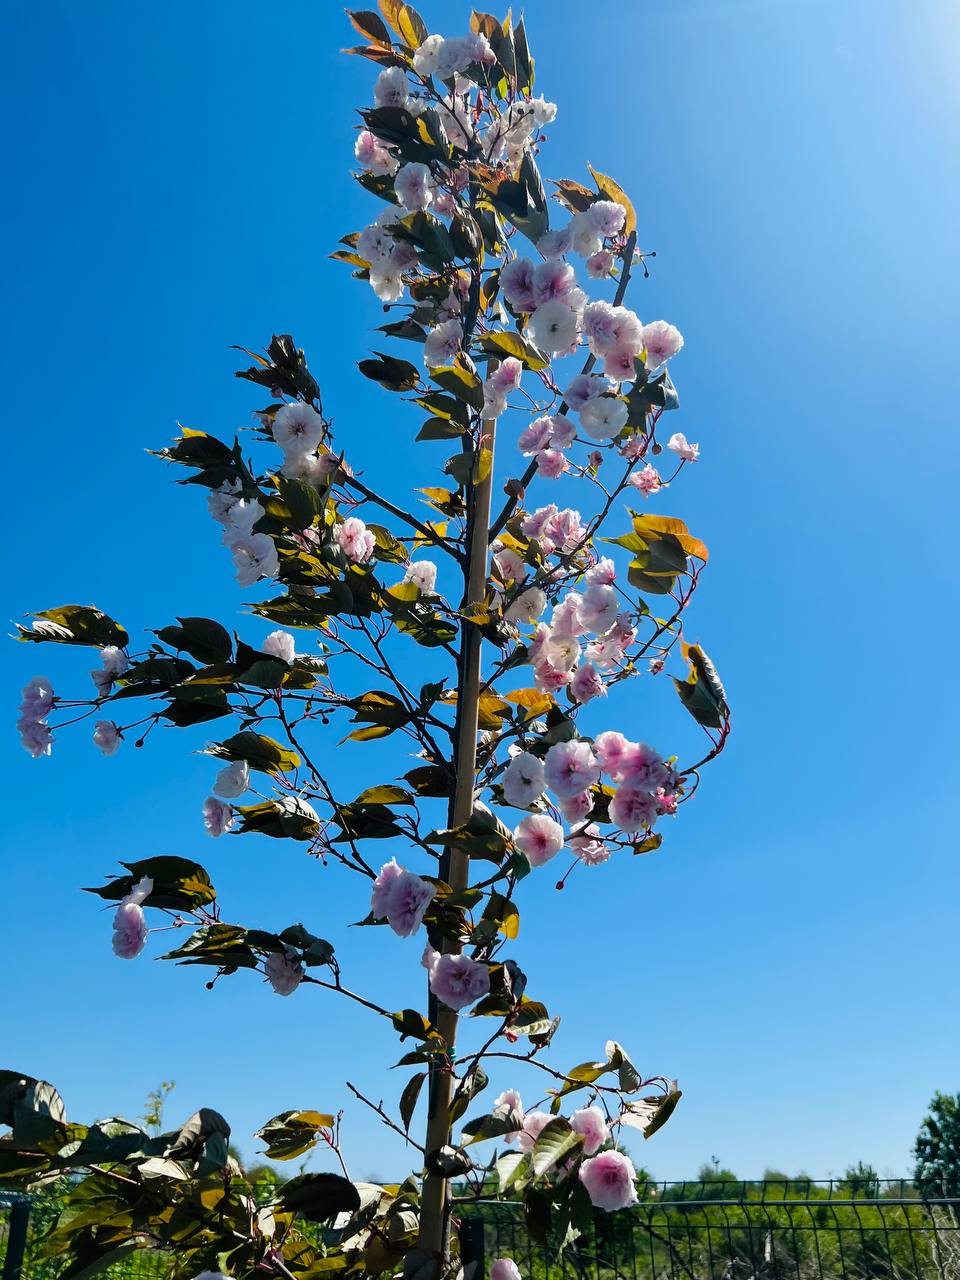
pixel 711 1230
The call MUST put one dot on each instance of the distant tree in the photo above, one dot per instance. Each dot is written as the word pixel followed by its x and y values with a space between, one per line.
pixel 861 1181
pixel 152 1116
pixel 937 1148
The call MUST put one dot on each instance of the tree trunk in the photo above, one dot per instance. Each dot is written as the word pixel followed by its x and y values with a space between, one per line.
pixel 454 866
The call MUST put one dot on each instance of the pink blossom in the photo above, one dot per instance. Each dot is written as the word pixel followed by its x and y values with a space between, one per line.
pixel 552 279
pixel 442 343
pixel 373 155
pixel 678 443
pixel 619 364
pixel 280 644
pixel 36 704
pixel 494 401
pixel 661 341
pixel 554 244
pixel 565 531
pixel 504 1269
pixel 534 1123
pixel 566 619
pixel 551 464
pixel 516 284
pixel 587 684
pixel 644 767
pixel 599 324
pixel 632 808
pixel 655 666
pixel 527 607
pixel 297 427
pixel 591 1123
pixel 598 608
pixel 283 971
pixel 585 387
pixel 555 326
pixel 550 679
pixel 538 838
pixel 507 376
pixel 233 780
pixel 575 808
pixel 401 897
pixel 217 816
pixel 423 573
pixel 563 432
pixel 107 736
pixel 610 747
pixel 603 572
pixel 589 848
pixel 414 186
pixel 647 481
pixel 354 540
pixel 585 239
pixel 604 418
pixel 534 524
pixel 570 767
pixel 457 981
pixel 254 558
pixel 129 930
pixel 606 217
pixel 538 643
pixel 563 650
pixel 390 88
pixel 510 566
pixel 609 1179
pixel 523 780
pixel 599 264
pixel 534 437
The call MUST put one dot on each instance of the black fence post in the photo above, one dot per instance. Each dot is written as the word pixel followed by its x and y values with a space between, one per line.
pixel 471 1248
pixel 16 1240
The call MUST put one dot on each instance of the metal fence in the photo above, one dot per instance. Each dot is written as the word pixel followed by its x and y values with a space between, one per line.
pixel 712 1230
pixel 772 1230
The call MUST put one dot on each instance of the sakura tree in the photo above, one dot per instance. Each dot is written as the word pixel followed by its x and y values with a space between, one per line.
pixel 541 382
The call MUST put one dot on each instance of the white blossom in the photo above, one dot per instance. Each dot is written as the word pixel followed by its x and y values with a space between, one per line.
pixel 234 780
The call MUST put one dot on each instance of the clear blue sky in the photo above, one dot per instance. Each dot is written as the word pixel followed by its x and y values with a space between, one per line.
pixel 177 176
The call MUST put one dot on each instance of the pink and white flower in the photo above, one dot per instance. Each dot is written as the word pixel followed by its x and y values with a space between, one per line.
pixel 297 427
pixel 591 1124
pixel 587 684
pixel 575 808
pixel 284 972
pixel 423 573
pixel 662 341
pixel 218 817
pixel 107 736
pixel 570 767
pixel 538 838
pixel 551 464
pixel 457 981
pixel 254 558
pixel 355 540
pixel 516 284
pixel 606 217
pixel 234 780
pixel 414 186
pixel 504 1269
pixel 534 1123
pixel 680 446
pixel 523 780
pixel 280 644
pixel 390 88
pixel 632 808
pixel 610 1180
pixel 554 326
pixel 647 481
pixel 442 343
pixel 584 388
pixel 401 897
pixel 589 848
pixel 527 607
pixel 604 417
pixel 129 930
pixel 599 265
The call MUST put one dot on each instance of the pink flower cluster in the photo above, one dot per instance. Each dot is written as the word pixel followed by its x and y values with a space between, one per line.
pixel 355 540
pixel 455 980
pixel 254 555
pixel 129 923
pixel 114 662
pixel 401 898
pixel 284 971
pixel 35 734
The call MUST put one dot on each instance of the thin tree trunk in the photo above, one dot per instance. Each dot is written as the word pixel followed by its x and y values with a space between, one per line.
pixel 454 868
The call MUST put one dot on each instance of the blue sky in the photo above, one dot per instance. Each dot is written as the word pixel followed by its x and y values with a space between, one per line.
pixel 178 178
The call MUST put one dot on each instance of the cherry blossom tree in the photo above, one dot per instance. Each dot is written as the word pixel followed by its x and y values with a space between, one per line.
pixel 541 381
